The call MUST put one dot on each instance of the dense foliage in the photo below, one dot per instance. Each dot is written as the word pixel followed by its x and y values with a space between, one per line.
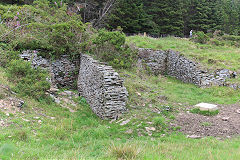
pixel 176 17
pixel 110 47
pixel 157 17
pixel 42 26
pixel 29 81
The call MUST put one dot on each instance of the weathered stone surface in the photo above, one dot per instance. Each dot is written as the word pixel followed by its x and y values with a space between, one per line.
pixel 207 107
pixel 155 60
pixel 176 65
pixel 102 87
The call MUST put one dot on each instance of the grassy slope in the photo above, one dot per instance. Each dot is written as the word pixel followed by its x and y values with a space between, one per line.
pixel 82 135
pixel 215 57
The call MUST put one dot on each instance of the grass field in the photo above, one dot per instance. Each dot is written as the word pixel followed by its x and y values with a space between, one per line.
pixel 81 135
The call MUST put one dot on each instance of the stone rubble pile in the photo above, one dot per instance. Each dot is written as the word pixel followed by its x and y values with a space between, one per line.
pixel 63 72
pixel 176 65
pixel 102 87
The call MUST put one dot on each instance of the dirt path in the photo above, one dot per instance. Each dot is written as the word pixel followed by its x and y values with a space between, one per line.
pixel 225 124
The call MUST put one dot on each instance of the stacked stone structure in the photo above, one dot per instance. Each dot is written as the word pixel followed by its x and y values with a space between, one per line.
pixel 64 72
pixel 98 83
pixel 102 87
pixel 176 65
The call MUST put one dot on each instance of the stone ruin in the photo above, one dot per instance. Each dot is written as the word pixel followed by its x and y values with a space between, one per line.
pixel 102 86
pixel 174 64
pixel 63 72
pixel 98 83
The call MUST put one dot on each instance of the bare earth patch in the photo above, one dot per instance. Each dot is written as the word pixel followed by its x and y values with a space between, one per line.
pixel 10 105
pixel 8 102
pixel 225 124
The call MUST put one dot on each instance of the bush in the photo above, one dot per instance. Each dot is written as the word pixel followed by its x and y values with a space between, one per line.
pixel 160 122
pixel 218 33
pixel 7 55
pixel 66 37
pixel 110 47
pixel 200 37
pixel 29 81
pixel 42 26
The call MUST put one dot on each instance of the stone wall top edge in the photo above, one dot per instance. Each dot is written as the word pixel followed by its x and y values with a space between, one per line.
pixel 102 67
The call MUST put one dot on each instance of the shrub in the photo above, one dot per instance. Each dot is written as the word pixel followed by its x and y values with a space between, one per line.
pixel 66 37
pixel 7 55
pixel 110 47
pixel 209 34
pixel 29 81
pixel 42 26
pixel 200 37
pixel 218 33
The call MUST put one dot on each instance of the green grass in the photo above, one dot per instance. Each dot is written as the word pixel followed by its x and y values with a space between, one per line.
pixel 155 89
pixel 82 135
pixel 214 57
pixel 205 113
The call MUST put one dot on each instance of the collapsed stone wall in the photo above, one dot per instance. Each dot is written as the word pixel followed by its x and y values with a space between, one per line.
pixel 102 87
pixel 63 72
pixel 176 65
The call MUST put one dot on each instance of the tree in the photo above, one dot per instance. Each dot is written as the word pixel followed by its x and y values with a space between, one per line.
pixel 130 15
pixel 167 15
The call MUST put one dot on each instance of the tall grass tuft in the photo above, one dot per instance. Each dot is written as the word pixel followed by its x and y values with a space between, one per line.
pixel 124 151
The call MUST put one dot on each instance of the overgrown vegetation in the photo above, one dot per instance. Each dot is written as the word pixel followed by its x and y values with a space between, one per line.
pixel 201 37
pixel 29 81
pixel 110 47
pixel 42 126
pixel 44 27
pixel 53 31
pixel 210 55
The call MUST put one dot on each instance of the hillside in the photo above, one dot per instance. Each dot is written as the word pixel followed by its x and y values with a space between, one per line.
pixel 210 55
pixel 40 126
pixel 59 76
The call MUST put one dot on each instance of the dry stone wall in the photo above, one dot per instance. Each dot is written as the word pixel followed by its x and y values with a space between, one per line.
pixel 98 83
pixel 102 87
pixel 155 60
pixel 176 65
